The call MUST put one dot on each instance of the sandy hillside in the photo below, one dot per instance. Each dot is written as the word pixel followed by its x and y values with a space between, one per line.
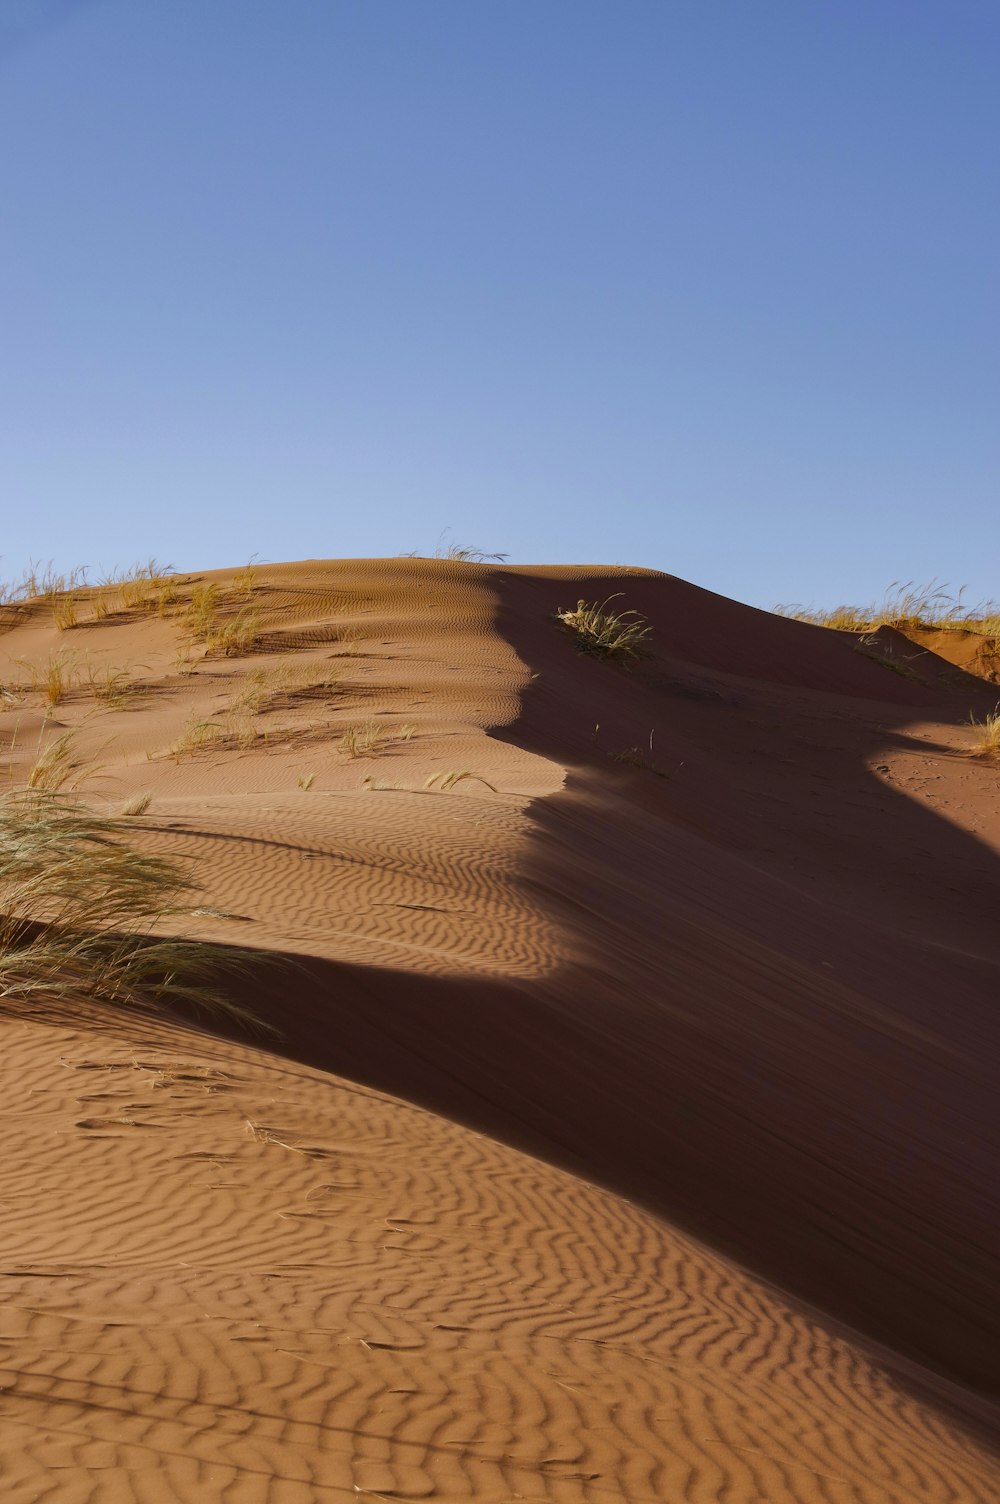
pixel 630 1131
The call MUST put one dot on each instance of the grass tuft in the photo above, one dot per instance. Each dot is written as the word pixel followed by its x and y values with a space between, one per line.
pixel 619 635
pixel 445 781
pixel 76 905
pixel 987 734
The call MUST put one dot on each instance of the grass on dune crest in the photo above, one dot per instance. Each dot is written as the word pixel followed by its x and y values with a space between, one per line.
pixel 76 907
pixel 929 607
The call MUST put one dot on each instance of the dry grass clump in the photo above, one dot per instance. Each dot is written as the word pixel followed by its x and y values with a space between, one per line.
pixel 987 732
pixel 445 781
pixel 907 606
pixel 619 635
pixel 76 905
pixel 237 636
pixel 370 737
pixel 64 612
pixel 280 686
pixel 54 678
pixel 197 736
pixel 199 614
pixel 364 739
pixel 111 686
pixel 59 763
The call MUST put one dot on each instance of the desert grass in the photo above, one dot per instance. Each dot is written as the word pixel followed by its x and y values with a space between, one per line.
pixel 370 737
pixel 55 678
pixel 112 687
pixel 59 764
pixel 364 739
pixel 305 781
pixel 64 612
pixel 264 689
pixel 617 635
pixel 235 637
pixel 245 580
pixel 445 781
pixel 198 735
pixel 198 619
pixel 987 734
pixel 41 583
pixel 76 907
pixel 137 805
pixel 869 647
pixel 907 606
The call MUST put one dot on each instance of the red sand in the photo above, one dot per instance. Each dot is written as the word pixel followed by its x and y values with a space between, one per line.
pixel 716 934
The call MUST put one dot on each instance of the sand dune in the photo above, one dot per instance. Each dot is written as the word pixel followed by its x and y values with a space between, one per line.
pixel 630 1134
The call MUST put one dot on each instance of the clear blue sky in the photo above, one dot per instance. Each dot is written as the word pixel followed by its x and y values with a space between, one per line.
pixel 705 285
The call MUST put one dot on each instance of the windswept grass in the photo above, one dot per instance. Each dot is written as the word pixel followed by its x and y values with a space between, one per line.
pixel 58 764
pixel 235 637
pixel 619 635
pixel 987 733
pixel 54 678
pixel 445 781
pixel 76 908
pixel 364 739
pixel 906 606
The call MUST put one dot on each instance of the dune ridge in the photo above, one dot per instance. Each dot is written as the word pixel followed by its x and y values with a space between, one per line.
pixel 714 935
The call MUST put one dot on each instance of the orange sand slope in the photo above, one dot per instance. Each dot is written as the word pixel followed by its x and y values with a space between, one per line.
pixel 716 934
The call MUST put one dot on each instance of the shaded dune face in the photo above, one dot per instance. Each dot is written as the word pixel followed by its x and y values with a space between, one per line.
pixel 714 931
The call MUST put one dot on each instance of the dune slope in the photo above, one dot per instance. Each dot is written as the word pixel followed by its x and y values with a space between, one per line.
pixel 715 933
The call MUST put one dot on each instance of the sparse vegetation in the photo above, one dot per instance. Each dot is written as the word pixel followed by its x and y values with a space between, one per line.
pixel 619 635
pixel 237 636
pixel 987 734
pixel 305 781
pixel 363 740
pixel 198 734
pixel 906 606
pixel 76 907
pixel 370 737
pixel 459 554
pixel 245 579
pixel 444 781
pixel 54 678
pixel 64 612
pixel 137 805
pixel 59 763
pixel 111 686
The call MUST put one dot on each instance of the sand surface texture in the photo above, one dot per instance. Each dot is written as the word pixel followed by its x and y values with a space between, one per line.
pixel 630 1133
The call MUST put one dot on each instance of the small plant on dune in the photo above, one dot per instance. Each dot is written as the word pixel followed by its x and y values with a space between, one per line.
pixel 59 763
pixel 908 607
pixel 987 732
pixel 362 740
pixel 111 686
pixel 137 805
pixel 64 612
pixel 199 615
pixel 236 637
pixel 197 735
pixel 457 553
pixel 54 678
pixel 619 635
pixel 869 647
pixel 305 781
pixel 245 579
pixel 265 688
pixel 370 737
pixel 76 907
pixel 444 781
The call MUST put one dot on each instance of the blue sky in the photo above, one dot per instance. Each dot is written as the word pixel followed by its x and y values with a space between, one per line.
pixel 705 285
